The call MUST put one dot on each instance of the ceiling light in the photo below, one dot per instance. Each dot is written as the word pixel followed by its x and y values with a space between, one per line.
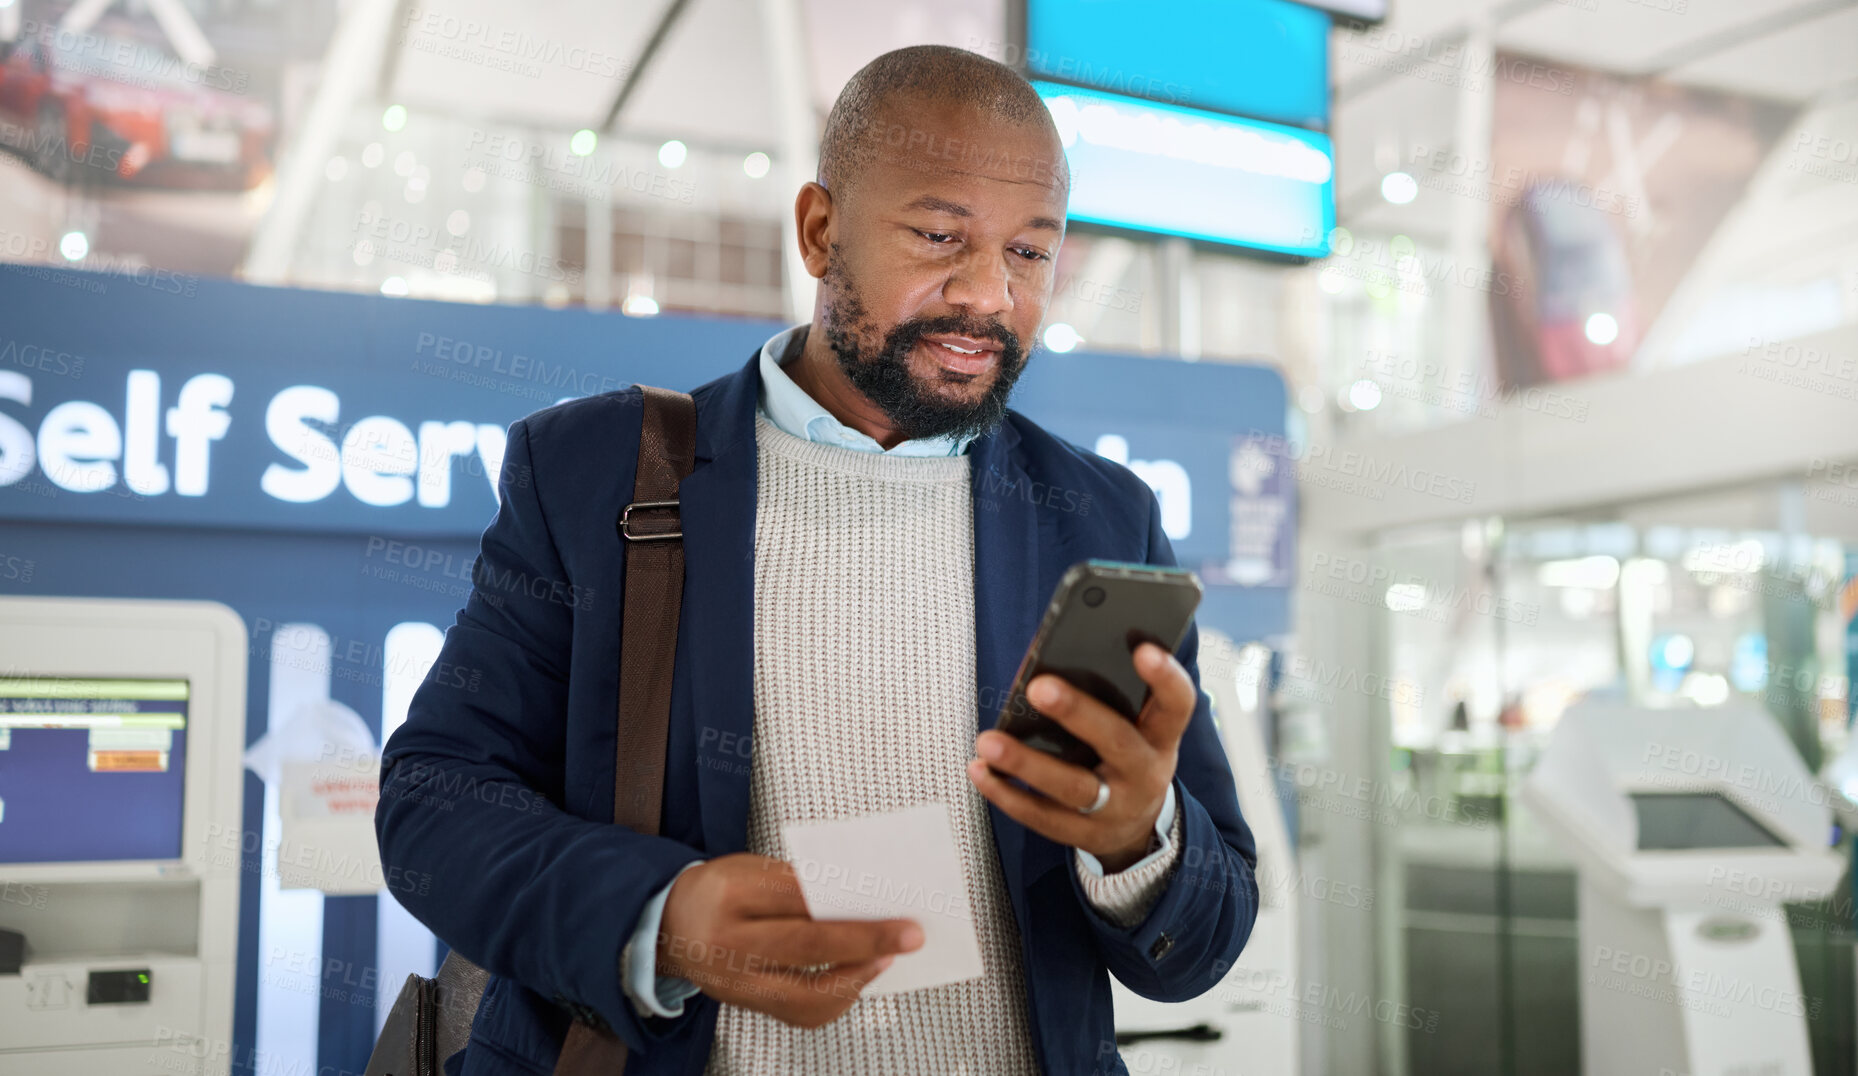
pixel 1399 188
pixel 1594 573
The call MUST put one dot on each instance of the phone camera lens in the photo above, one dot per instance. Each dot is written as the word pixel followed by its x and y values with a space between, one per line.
pixel 1093 596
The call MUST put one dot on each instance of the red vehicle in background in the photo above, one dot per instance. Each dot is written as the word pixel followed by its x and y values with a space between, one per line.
pixel 112 103
pixel 1574 267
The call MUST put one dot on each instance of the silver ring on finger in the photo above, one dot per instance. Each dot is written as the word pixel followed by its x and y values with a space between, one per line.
pixel 1103 797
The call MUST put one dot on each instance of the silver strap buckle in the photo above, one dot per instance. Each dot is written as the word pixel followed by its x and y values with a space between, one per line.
pixel 625 522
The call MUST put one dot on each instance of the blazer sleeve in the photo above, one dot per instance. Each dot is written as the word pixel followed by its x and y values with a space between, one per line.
pixel 471 786
pixel 1195 930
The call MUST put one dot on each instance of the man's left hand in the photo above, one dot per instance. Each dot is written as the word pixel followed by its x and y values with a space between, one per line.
pixel 1135 760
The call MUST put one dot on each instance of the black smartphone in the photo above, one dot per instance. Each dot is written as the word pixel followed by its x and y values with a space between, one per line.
pixel 1101 611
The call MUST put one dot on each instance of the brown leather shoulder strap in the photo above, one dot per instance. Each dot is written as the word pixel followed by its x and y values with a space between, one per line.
pixel 654 596
pixel 651 528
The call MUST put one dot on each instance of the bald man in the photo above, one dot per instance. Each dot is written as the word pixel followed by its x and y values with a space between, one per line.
pixel 870 538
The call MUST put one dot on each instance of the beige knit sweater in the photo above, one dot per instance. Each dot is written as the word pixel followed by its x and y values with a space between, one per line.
pixel 865 702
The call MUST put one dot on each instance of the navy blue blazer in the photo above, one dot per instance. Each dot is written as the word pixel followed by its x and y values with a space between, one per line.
pixel 497 792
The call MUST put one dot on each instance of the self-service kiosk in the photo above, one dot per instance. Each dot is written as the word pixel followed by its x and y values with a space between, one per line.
pixel 1247 1024
pixel 121 727
pixel 1689 828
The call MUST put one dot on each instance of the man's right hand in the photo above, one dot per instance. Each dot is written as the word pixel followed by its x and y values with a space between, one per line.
pixel 737 926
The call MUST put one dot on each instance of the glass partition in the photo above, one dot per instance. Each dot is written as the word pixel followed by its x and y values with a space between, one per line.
pixel 1491 630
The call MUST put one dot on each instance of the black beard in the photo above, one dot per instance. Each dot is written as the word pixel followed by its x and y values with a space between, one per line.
pixel 883 376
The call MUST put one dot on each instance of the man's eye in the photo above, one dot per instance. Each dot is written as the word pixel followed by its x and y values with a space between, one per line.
pixel 1031 255
pixel 936 237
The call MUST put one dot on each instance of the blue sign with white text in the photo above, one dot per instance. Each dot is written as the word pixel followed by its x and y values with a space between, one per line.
pixel 267 408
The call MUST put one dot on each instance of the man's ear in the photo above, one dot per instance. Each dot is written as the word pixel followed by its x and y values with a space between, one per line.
pixel 813 222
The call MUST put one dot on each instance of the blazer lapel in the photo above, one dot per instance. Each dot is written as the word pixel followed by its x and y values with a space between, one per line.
pixel 718 513
pixel 1007 607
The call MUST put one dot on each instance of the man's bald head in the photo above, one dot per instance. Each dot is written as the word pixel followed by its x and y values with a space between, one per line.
pixel 933 231
pixel 882 115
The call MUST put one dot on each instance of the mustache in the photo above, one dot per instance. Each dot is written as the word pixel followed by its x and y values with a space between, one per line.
pixel 907 334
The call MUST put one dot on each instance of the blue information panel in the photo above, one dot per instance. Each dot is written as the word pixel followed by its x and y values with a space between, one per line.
pixel 309 413
pixel 1181 171
pixel 1358 10
pixel 1268 59
pixel 91 769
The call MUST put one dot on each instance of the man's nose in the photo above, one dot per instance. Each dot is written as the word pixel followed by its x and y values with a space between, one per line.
pixel 979 284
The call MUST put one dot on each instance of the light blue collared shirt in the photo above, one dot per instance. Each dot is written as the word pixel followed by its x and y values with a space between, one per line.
pixel 788 406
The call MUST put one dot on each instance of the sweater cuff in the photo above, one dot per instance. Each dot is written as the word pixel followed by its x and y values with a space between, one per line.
pixel 1124 898
pixel 650 993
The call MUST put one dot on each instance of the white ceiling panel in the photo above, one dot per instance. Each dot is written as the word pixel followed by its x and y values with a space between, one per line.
pixel 558 64
pixel 1629 36
pixel 847 34
pixel 1796 64
pixel 710 83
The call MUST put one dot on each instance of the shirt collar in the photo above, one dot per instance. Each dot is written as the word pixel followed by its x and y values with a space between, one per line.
pixel 788 406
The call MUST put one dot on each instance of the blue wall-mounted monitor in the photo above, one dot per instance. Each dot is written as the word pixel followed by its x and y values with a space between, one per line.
pixel 1267 59
pixel 1357 10
pixel 1179 171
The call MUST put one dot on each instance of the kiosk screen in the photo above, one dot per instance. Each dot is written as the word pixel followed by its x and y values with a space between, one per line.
pixel 91 769
pixel 1686 820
